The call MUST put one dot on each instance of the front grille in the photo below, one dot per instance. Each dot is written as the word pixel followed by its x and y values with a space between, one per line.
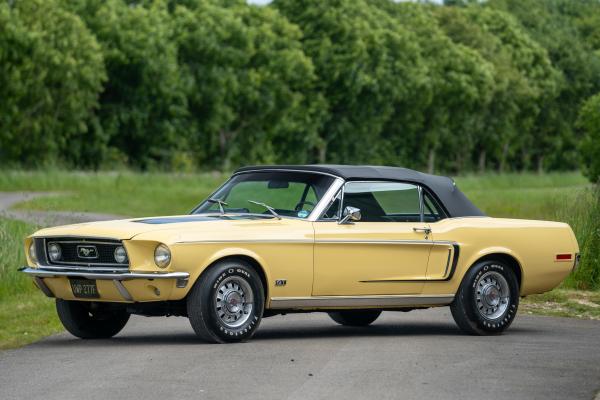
pixel 100 252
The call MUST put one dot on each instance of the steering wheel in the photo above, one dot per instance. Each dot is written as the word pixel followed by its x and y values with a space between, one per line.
pixel 302 203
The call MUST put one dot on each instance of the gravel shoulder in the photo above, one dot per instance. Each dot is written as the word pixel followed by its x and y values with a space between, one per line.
pixel 46 218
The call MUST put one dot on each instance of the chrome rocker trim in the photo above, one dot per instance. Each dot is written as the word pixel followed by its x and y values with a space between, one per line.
pixel 360 301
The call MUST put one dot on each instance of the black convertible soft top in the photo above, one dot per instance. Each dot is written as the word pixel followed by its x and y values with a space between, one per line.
pixel 444 188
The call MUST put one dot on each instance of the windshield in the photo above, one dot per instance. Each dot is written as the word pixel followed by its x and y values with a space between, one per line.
pixel 288 194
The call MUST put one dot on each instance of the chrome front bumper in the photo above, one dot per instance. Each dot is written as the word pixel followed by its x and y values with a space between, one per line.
pixel 117 277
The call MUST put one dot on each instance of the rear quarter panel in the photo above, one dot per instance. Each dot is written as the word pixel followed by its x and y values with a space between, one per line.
pixel 533 244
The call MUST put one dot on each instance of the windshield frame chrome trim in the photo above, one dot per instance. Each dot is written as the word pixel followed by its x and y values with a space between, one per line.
pixel 325 201
pixel 192 212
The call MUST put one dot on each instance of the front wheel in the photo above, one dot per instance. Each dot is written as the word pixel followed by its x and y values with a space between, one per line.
pixel 226 303
pixel 88 320
pixel 487 300
pixel 355 317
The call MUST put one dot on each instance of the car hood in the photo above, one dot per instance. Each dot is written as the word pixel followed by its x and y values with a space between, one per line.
pixel 130 228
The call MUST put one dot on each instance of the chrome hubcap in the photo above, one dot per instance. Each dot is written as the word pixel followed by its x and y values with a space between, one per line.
pixel 233 301
pixel 492 295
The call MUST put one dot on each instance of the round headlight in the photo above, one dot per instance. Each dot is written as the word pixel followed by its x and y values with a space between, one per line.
pixel 32 255
pixel 54 252
pixel 162 256
pixel 120 255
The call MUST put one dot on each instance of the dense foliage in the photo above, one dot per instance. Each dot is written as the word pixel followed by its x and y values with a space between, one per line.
pixel 589 122
pixel 51 71
pixel 186 84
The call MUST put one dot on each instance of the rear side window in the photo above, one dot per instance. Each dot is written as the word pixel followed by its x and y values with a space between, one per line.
pixel 432 212
pixel 384 201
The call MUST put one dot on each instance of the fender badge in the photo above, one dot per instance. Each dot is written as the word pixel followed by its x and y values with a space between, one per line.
pixel 280 282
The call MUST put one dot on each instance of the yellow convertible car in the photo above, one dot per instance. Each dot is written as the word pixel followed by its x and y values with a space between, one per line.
pixel 352 241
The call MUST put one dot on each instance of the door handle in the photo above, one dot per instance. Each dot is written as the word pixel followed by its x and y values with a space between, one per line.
pixel 426 231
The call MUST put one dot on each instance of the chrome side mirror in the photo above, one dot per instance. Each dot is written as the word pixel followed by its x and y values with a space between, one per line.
pixel 351 214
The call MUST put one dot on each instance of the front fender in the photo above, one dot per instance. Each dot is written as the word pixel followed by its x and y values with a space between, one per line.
pixel 195 259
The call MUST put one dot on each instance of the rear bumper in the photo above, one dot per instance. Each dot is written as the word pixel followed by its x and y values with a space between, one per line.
pixel 577 261
pixel 39 274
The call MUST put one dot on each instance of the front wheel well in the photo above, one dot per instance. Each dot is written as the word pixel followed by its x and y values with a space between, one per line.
pixel 507 259
pixel 251 261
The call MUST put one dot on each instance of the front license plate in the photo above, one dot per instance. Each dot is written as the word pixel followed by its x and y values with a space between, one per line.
pixel 84 288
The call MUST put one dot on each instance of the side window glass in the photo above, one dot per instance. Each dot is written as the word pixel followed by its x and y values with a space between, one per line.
pixel 384 201
pixel 431 211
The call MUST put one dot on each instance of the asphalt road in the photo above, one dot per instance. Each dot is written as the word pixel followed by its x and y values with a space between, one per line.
pixel 416 355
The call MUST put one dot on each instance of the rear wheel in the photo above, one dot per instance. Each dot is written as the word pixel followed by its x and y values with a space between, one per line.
pixel 89 320
pixel 487 299
pixel 226 303
pixel 355 317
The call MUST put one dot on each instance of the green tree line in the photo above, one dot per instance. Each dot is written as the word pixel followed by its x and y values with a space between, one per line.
pixel 499 85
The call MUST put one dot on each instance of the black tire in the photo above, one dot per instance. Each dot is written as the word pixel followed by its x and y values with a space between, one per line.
pixel 355 317
pixel 203 305
pixel 88 320
pixel 469 299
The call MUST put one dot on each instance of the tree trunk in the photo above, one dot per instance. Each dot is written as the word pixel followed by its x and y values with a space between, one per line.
pixel 482 161
pixel 525 158
pixel 223 150
pixel 460 163
pixel 502 165
pixel 431 161
pixel 322 153
pixel 540 165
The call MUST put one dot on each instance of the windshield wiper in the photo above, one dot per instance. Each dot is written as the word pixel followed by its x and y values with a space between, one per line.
pixel 220 202
pixel 268 207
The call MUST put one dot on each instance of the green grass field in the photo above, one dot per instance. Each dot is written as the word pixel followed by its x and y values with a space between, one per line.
pixel 123 193
pixel 25 315
pixel 135 194
pixel 529 196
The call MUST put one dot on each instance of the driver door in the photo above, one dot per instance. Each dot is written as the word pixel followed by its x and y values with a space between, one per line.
pixel 384 253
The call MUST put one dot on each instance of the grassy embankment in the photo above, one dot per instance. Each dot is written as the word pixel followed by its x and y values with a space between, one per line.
pixel 25 315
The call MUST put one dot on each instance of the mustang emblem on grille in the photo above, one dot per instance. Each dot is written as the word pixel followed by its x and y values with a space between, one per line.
pixel 87 251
